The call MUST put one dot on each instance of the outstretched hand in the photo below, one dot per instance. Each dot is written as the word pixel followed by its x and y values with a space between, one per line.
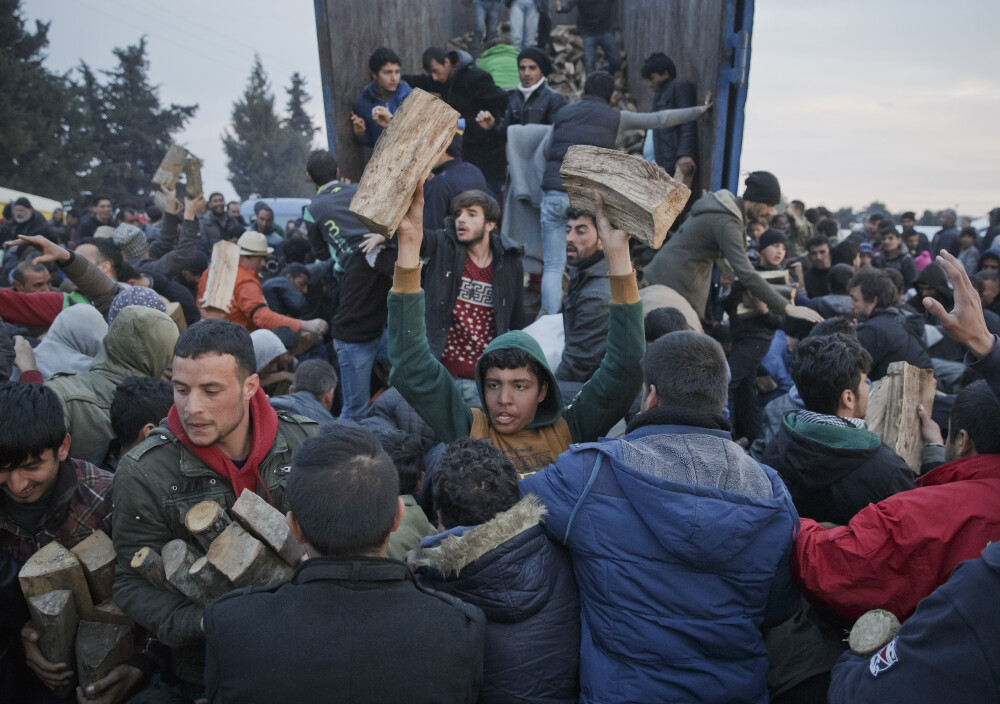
pixel 614 242
pixel 51 252
pixel 803 313
pixel 410 232
pixel 707 105
pixel 965 324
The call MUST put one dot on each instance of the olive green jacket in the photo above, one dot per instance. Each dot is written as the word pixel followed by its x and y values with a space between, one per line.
pixel 155 485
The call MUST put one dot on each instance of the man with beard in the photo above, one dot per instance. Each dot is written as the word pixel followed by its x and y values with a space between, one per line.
pixel 212 222
pixel 716 229
pixel 585 308
pixel 220 437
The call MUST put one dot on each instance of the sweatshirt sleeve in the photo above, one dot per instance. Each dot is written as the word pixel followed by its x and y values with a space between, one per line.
pixel 608 395
pixel 653 120
pixel 421 379
pixel 92 282
pixel 37 309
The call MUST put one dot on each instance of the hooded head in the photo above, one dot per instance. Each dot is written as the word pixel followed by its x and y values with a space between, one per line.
pixel 72 342
pixel 140 342
pixel 516 386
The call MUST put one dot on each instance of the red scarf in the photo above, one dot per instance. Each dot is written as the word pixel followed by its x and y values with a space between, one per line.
pixel 263 429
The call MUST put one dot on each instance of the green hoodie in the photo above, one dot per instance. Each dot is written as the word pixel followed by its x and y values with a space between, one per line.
pixel 428 387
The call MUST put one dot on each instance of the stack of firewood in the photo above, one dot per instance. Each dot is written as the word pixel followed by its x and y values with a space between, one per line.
pixel 255 550
pixel 69 596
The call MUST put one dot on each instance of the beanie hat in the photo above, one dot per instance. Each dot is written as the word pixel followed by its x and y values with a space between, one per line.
pixel 23 202
pixel 136 296
pixel 535 54
pixel 197 262
pixel 762 187
pixel 104 232
pixel 267 347
pixel 770 237
pixel 131 241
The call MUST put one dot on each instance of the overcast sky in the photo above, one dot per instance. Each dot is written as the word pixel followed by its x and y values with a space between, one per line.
pixel 849 101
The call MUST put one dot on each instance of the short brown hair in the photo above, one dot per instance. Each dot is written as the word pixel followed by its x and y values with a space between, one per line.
pixel 465 199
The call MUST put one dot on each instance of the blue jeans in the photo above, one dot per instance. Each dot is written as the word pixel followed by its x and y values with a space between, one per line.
pixel 487 19
pixel 355 360
pixel 523 23
pixel 607 42
pixel 553 222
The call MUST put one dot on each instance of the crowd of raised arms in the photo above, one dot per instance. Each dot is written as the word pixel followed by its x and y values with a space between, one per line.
pixel 509 454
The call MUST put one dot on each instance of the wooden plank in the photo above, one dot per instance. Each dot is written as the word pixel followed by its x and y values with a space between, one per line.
pixel 178 557
pixel 192 176
pixel 171 167
pixel 222 271
pixel 639 196
pixel 54 567
pixel 214 582
pixel 97 556
pixel 54 617
pixel 149 564
pixel 892 409
pixel 417 136
pixel 206 520
pixel 100 648
pixel 245 560
pixel 268 525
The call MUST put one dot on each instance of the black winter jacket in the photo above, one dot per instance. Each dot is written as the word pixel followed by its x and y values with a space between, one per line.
pixel 888 339
pixel 590 121
pixel 671 143
pixel 445 257
pixel 450 179
pixel 594 15
pixel 343 631
pixel 525 586
pixel 831 472
pixel 585 319
pixel 539 109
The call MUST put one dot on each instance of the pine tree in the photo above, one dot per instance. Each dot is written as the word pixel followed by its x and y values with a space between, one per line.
pixel 42 141
pixel 265 155
pixel 298 119
pixel 132 130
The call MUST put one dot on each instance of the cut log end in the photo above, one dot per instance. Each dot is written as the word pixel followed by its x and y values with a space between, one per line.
pixel 873 630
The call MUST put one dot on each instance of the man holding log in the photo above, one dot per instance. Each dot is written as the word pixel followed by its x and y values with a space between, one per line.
pixel 716 229
pixel 220 437
pixel 525 415
pixel 49 497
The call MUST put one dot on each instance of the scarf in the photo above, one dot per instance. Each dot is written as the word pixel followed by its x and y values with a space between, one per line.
pixel 526 92
pixel 825 419
pixel 263 429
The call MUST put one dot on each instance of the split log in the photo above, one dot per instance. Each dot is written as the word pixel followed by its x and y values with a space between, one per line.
pixel 206 520
pixel 892 409
pixel 54 567
pixel 109 612
pixel 149 564
pixel 54 617
pixel 268 525
pixel 171 166
pixel 245 560
pixel 639 196
pixel 100 648
pixel 222 272
pixel 873 630
pixel 97 556
pixel 192 176
pixel 178 557
pixel 214 582
pixel 416 137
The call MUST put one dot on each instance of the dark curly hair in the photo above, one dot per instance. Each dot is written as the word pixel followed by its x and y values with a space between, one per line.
pixel 473 482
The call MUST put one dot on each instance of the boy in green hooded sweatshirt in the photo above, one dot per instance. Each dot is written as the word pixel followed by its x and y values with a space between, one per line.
pixel 525 414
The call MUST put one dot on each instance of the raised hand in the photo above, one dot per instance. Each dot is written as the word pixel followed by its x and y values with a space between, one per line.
pixel 965 323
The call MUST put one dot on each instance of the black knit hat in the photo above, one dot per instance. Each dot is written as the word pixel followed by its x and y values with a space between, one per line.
pixel 770 237
pixel 533 53
pixel 762 187
pixel 23 202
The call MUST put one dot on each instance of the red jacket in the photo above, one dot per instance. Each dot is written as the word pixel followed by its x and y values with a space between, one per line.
pixel 894 553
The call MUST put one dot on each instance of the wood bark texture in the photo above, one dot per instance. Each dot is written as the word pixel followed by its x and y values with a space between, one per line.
pixel 100 648
pixel 97 556
pixel 221 282
pixel 268 525
pixel 55 567
pixel 892 409
pixel 54 618
pixel 418 134
pixel 149 564
pixel 214 582
pixel 245 560
pixel 639 196
pixel 178 557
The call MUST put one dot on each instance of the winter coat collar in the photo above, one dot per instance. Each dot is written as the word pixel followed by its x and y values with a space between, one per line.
pixel 353 569
pixel 965 469
pixel 461 549
pixel 674 415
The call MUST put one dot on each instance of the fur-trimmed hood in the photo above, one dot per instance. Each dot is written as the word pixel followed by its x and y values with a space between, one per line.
pixel 505 566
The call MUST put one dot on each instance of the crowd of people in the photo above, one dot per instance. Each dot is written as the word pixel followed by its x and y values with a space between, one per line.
pixel 670 494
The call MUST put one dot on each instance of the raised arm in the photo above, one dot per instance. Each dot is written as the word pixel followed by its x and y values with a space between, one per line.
pixel 421 379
